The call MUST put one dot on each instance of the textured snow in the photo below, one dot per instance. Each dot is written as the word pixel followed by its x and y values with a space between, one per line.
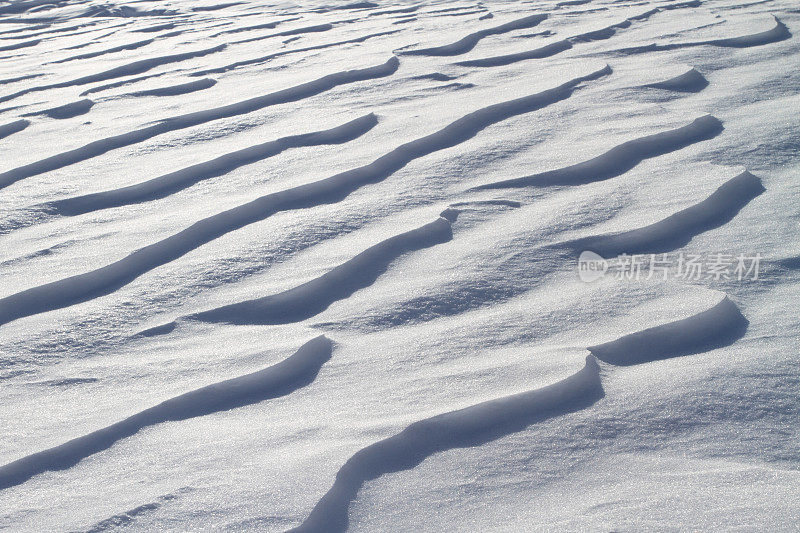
pixel 311 265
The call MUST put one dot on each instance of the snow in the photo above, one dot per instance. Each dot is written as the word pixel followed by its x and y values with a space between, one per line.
pixel 312 265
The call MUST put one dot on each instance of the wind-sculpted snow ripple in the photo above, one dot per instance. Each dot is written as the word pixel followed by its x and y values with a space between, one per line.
pixel 70 110
pixel 179 122
pixel 776 34
pixel 619 159
pixel 464 45
pixel 532 265
pixel 175 90
pixel 131 46
pixel 720 326
pixel 556 47
pixel 137 67
pixel 313 297
pixel 181 179
pixel 690 81
pixel 269 57
pixel 717 327
pixel 13 127
pixel 678 229
pixel 296 371
pixel 471 426
pixel 104 280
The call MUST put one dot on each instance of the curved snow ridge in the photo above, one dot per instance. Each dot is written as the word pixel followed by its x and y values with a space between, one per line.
pixel 313 297
pixel 175 90
pixel 153 29
pixel 464 45
pixel 120 83
pixel 776 34
pixel 435 76
pixel 556 47
pixel 89 55
pixel 291 94
pixel 471 426
pixel 316 28
pixel 17 46
pixel 264 59
pixel 186 177
pixel 21 30
pixel 217 7
pixel 104 280
pixel 137 67
pixel 19 78
pixel 296 371
pixel 72 109
pixel 720 326
pixel 262 26
pixel 680 228
pixel 690 81
pixel 619 159
pixel 13 127
pixel 507 59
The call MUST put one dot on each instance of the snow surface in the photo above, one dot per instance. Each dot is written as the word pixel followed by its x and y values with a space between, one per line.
pixel 311 265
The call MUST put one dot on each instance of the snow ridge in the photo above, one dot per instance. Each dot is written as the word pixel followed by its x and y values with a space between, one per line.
pixel 104 280
pixel 181 179
pixel 690 81
pixel 280 379
pixel 315 296
pixel 179 122
pixel 720 326
pixel 13 127
pixel 470 426
pixel 464 45
pixel 678 229
pixel 619 159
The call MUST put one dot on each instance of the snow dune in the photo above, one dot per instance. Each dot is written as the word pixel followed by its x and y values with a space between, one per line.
pixel 296 371
pixel 365 222
pixel 72 109
pixel 82 287
pixel 315 28
pixel 137 67
pixel 264 59
pixel 776 34
pixel 102 146
pixel 253 27
pixel 156 28
pixel 678 229
pixel 131 46
pixel 690 81
pixel 181 179
pixel 178 89
pixel 720 326
pixel 13 127
pixel 556 47
pixel 470 426
pixel 464 45
pixel 17 46
pixel 315 296
pixel 619 159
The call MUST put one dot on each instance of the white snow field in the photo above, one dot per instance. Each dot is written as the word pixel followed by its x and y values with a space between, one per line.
pixel 399 265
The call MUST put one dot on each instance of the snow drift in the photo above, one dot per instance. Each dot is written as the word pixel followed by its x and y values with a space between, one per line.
pixel 470 426
pixel 722 325
pixel 619 159
pixel 296 371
